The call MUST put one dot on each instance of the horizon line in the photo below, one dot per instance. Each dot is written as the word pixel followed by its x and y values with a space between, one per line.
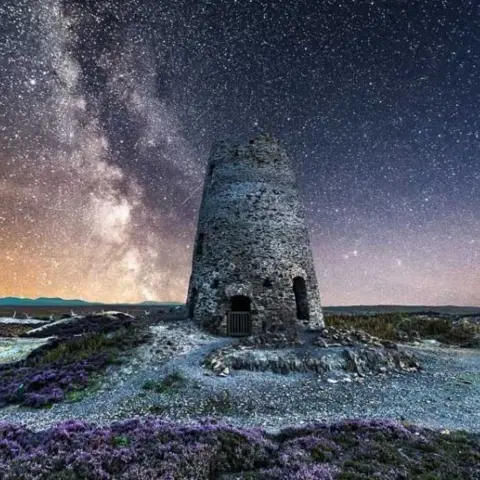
pixel 184 303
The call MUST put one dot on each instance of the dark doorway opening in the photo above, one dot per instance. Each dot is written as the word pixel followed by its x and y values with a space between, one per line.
pixel 240 303
pixel 239 318
pixel 301 298
pixel 193 301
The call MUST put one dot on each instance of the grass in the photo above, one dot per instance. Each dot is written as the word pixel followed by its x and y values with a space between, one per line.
pixel 157 409
pixel 120 441
pixel 169 384
pixel 221 403
pixel 469 378
pixel 389 325
pixel 79 394
pixel 77 349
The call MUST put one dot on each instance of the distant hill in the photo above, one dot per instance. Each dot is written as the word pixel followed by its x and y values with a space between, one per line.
pixel 353 309
pixel 37 302
pixel 60 302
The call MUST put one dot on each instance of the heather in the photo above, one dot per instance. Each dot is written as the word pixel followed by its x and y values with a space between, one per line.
pixel 153 448
pixel 69 363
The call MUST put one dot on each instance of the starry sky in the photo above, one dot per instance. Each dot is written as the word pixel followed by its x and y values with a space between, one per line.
pixel 108 110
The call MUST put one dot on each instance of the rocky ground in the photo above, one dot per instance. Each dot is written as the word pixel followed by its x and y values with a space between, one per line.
pixel 189 403
pixel 420 383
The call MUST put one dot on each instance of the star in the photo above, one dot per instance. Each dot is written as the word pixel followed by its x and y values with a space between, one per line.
pixel 110 109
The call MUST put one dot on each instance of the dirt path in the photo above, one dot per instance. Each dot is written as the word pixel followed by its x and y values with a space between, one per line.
pixel 445 395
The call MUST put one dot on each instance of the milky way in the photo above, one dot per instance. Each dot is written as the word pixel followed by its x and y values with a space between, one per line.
pixel 108 110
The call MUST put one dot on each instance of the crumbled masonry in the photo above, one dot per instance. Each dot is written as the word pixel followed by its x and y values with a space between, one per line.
pixel 252 261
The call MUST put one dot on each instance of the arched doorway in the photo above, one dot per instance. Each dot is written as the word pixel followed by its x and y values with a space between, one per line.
pixel 239 321
pixel 240 303
pixel 301 298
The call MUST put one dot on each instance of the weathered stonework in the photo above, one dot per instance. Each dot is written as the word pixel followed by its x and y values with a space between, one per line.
pixel 252 251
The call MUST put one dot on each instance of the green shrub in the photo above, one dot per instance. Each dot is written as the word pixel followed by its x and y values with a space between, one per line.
pixel 221 403
pixel 171 382
pixel 120 441
pixel 80 348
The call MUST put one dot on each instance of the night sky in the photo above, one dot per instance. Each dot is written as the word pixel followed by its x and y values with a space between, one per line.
pixel 108 110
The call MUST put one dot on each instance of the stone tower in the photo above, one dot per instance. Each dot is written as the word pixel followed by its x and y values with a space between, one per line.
pixel 252 266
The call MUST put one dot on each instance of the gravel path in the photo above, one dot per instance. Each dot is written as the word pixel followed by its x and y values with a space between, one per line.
pixel 445 395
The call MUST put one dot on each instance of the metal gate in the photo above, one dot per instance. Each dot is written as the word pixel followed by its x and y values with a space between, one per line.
pixel 239 324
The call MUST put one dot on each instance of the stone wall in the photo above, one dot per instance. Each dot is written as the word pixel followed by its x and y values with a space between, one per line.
pixel 252 241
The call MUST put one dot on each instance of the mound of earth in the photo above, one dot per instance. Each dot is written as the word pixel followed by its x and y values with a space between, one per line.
pixel 334 349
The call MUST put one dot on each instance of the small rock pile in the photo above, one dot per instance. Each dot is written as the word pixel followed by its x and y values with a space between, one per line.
pixel 412 336
pixel 353 352
pixel 289 338
pixel 338 337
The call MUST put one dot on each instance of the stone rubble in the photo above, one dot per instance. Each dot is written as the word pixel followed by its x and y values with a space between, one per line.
pixel 445 395
pixel 351 351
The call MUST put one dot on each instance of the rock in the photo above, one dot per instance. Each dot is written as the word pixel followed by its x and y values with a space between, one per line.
pixel 310 364
pixel 370 356
pixel 218 367
pixel 298 365
pixel 320 342
pixel 353 363
pixel 389 344
pixel 323 365
pixel 331 380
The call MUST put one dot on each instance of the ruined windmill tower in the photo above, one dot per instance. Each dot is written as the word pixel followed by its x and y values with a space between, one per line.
pixel 252 267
